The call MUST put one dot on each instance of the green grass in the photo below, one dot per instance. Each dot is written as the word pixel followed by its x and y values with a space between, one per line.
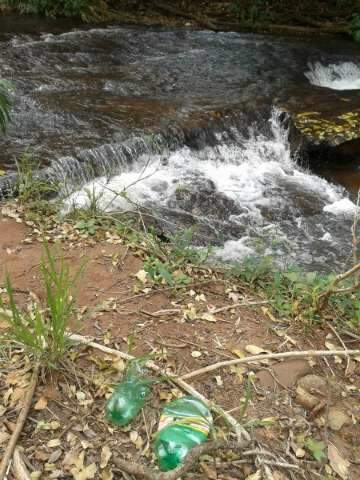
pixel 295 294
pixel 41 330
pixel 5 106
pixel 86 10
pixel 30 187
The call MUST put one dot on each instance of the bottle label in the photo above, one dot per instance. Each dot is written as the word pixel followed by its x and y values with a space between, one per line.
pixel 195 423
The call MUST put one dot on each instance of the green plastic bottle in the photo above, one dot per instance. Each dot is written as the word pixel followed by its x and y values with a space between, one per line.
pixel 184 423
pixel 129 396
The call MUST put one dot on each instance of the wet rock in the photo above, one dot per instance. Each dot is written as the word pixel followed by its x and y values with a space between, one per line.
pixel 337 418
pixel 310 390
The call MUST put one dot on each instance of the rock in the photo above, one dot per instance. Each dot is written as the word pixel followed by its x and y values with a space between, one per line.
pixel 304 398
pixel 310 390
pixel 313 384
pixel 337 419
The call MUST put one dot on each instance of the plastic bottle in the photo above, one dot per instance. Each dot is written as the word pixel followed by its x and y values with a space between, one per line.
pixel 129 396
pixel 184 423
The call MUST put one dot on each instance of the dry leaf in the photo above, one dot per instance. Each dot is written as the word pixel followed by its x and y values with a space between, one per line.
pixel 209 317
pixel 255 476
pixel 107 475
pixel 41 404
pixel 86 473
pixel 339 464
pixel 142 276
pixel 105 456
pixel 196 354
pixel 255 350
pixel 55 442
pixel 4 437
pixel 238 353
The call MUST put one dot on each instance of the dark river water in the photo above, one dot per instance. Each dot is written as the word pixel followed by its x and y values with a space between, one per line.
pixel 188 124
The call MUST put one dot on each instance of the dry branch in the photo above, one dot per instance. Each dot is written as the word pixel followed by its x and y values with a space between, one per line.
pixel 332 290
pixel 268 356
pixel 19 424
pixel 141 471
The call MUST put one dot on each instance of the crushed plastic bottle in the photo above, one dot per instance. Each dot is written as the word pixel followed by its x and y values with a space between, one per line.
pixel 129 396
pixel 184 423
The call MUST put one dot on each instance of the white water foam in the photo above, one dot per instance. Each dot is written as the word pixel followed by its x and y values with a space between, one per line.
pixel 342 76
pixel 252 186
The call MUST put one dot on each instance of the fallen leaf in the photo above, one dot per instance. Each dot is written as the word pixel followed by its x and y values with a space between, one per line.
pixel 255 350
pixel 209 317
pixel 339 464
pixel 41 404
pixel 196 354
pixel 86 473
pixel 4 437
pixel 55 442
pixel 255 476
pixel 107 475
pixel 142 276
pixel 105 456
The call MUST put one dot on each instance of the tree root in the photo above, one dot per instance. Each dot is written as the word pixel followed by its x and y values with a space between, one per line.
pixel 19 424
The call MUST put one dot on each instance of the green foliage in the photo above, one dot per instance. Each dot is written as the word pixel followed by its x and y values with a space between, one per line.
pixel 294 293
pixel 316 448
pixel 30 186
pixel 251 12
pixel 87 226
pixel 42 329
pixel 355 27
pixel 87 10
pixel 4 105
pixel 167 263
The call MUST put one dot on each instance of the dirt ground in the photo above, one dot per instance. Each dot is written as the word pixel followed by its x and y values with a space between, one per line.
pixel 66 434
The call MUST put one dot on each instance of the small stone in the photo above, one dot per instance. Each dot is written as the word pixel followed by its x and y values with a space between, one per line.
pixel 337 419
pixel 313 384
pixel 305 399
pixel 310 390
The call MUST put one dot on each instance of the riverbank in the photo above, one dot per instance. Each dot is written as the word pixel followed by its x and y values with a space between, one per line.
pixel 146 297
pixel 306 18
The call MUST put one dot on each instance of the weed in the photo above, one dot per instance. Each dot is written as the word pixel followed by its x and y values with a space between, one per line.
pixel 294 293
pixel 167 263
pixel 42 330
pixel 30 186
pixel 316 448
pixel 87 10
pixel 4 105
pixel 87 226
pixel 355 27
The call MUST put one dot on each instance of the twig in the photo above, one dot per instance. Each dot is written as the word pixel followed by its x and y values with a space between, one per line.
pixel 266 356
pixel 344 346
pixel 19 468
pixel 323 298
pixel 20 423
pixel 236 305
pixel 242 435
pixel 141 471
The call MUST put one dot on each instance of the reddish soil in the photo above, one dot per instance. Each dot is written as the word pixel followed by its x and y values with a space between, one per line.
pixel 127 312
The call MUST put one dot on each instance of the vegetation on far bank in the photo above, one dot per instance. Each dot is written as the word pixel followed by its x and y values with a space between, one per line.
pixel 338 16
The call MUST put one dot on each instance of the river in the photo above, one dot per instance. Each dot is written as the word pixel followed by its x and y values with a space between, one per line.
pixel 190 125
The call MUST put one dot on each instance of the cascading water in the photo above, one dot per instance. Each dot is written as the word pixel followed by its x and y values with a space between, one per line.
pixel 342 76
pixel 156 113
pixel 246 195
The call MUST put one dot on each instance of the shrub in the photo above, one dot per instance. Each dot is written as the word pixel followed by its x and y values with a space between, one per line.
pixel 4 105
pixel 87 10
pixel 42 329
